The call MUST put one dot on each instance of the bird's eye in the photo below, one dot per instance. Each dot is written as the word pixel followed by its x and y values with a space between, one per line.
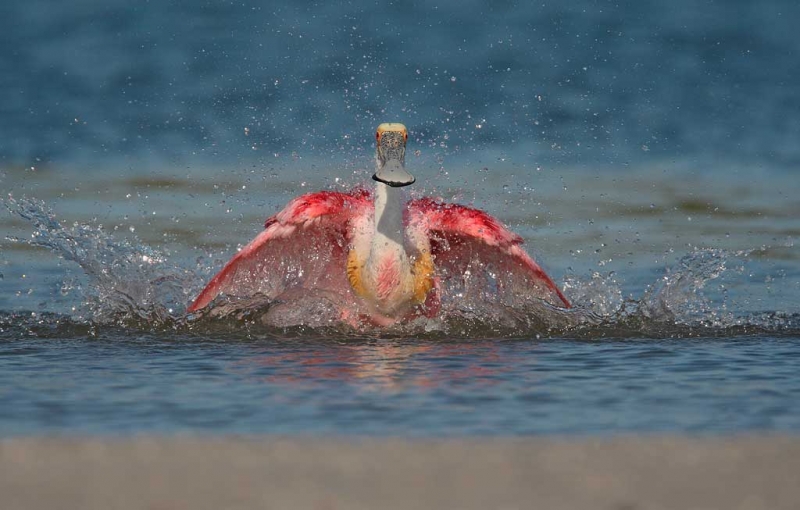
pixel 378 135
pixel 405 136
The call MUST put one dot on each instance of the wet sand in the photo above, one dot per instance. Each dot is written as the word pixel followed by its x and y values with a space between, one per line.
pixel 624 473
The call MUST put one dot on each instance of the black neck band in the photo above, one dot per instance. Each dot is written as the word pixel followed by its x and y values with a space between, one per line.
pixel 392 184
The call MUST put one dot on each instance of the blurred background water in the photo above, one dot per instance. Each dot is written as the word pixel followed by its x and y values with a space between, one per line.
pixel 638 147
pixel 91 84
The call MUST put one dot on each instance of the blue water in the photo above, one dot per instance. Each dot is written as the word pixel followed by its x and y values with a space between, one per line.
pixel 88 83
pixel 646 151
pixel 144 383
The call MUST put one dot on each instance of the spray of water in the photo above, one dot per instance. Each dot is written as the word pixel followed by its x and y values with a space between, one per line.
pixel 133 285
pixel 126 281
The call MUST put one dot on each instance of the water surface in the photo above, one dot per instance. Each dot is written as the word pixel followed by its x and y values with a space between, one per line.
pixel 647 153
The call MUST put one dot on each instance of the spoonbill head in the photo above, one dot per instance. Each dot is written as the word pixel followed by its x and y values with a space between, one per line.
pixel 378 257
pixel 390 155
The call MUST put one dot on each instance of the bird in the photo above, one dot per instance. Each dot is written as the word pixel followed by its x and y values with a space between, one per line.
pixel 380 257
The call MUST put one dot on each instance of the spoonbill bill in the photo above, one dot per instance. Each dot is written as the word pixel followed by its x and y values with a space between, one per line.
pixel 377 255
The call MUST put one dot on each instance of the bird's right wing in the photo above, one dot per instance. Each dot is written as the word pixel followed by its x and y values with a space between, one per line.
pixel 303 246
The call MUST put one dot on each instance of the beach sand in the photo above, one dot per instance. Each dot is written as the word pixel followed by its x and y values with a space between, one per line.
pixel 621 473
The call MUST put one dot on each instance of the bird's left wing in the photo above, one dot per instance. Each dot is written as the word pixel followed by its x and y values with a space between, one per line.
pixel 474 252
pixel 305 245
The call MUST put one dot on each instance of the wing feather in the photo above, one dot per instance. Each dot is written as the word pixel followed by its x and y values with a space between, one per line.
pixel 304 245
pixel 475 255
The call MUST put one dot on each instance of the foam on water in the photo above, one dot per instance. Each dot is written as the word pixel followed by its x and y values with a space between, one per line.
pixel 130 284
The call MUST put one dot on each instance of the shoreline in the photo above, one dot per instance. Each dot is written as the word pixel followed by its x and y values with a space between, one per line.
pixel 214 472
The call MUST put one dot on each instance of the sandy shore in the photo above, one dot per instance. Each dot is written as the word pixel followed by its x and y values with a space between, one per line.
pixel 232 473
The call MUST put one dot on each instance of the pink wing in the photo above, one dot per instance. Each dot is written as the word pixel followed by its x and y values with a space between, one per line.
pixel 476 256
pixel 303 246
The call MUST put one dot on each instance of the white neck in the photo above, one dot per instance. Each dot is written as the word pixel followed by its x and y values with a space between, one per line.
pixel 389 204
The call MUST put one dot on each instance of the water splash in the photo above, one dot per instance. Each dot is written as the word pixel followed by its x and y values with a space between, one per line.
pixel 601 293
pixel 678 296
pixel 682 302
pixel 133 285
pixel 127 282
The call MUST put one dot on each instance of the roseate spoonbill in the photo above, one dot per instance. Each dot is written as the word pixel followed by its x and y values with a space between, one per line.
pixel 377 255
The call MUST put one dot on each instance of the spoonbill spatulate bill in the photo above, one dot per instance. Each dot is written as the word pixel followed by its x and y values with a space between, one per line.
pixel 379 257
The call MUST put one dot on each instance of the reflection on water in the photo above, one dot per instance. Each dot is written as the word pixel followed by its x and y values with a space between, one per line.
pixel 123 382
pixel 382 365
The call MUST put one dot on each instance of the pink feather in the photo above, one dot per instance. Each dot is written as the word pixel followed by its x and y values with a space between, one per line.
pixel 306 245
